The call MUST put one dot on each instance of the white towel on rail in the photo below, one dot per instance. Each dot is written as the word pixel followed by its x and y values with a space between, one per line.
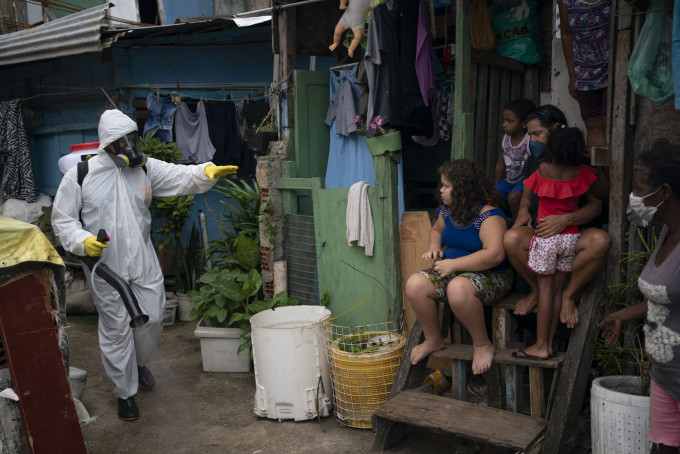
pixel 359 217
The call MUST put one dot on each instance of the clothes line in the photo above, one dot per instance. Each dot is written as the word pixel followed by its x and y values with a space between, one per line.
pixel 224 86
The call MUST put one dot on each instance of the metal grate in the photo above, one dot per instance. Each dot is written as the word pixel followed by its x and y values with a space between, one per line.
pixel 299 248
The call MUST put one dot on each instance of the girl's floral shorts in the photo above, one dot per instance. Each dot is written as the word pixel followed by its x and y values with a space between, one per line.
pixel 546 255
pixel 491 285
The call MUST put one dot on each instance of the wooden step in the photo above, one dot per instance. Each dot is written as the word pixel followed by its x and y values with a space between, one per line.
pixel 509 301
pixel 464 352
pixel 455 417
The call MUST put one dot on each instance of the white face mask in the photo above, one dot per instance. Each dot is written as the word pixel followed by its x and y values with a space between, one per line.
pixel 638 211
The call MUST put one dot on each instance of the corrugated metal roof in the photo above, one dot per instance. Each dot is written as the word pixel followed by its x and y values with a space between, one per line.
pixel 74 34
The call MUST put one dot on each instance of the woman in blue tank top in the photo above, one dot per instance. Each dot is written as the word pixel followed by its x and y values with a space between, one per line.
pixel 466 244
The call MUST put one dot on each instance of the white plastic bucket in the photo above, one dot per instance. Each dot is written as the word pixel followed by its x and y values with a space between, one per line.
pixel 292 377
pixel 619 416
pixel 79 152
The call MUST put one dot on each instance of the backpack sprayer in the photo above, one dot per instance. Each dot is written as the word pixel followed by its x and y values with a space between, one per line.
pixel 137 318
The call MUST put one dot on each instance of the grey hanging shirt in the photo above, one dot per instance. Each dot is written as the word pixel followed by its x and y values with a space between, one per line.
pixel 661 287
pixel 191 134
pixel 343 109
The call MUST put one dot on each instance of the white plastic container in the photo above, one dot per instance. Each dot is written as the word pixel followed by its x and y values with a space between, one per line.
pixel 77 378
pixel 79 152
pixel 219 349
pixel 292 377
pixel 619 416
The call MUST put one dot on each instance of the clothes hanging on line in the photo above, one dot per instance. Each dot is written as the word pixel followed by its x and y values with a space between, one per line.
pixel 342 109
pixel 424 61
pixel 223 131
pixel 160 117
pixel 192 136
pixel 18 181
pixel 349 160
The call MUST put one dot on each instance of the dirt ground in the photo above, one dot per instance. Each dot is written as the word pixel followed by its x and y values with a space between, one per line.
pixel 191 411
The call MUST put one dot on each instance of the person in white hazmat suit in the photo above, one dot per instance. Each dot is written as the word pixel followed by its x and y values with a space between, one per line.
pixel 115 196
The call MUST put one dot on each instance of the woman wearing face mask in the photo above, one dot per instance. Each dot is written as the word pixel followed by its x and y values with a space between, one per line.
pixel 591 248
pixel 656 195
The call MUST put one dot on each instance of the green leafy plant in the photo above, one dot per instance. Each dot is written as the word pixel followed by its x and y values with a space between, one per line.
pixel 175 211
pixel 229 297
pixel 630 357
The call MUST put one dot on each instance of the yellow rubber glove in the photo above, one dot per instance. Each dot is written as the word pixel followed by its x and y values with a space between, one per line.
pixel 219 171
pixel 94 248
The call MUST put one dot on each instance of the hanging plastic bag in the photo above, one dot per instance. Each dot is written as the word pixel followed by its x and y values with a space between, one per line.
pixel 649 67
pixel 518 32
pixel 481 33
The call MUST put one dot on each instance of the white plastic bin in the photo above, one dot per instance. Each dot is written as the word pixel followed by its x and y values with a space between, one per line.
pixel 79 152
pixel 292 377
pixel 619 416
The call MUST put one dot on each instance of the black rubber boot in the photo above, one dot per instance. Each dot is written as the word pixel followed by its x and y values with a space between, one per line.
pixel 146 380
pixel 127 409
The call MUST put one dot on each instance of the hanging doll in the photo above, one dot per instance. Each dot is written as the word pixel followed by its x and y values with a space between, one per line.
pixel 354 19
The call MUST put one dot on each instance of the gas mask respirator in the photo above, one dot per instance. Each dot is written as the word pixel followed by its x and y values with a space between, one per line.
pixel 128 152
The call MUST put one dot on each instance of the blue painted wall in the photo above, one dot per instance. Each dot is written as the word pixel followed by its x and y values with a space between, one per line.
pixel 70 113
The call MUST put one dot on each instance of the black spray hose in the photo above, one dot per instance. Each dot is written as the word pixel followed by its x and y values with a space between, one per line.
pixel 137 318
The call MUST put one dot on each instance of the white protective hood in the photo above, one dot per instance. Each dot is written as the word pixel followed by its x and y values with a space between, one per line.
pixel 113 125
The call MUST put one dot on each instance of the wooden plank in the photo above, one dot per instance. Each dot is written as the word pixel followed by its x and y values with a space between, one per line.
pixel 508 302
pixel 501 324
pixel 459 380
pixel 474 75
pixel 573 378
pixel 537 392
pixel 495 122
pixel 464 352
pixel 480 424
pixel 513 388
pixel 414 239
pixel 621 137
pixel 498 61
pixel 481 122
pixel 461 145
pixel 31 342
pixel 408 375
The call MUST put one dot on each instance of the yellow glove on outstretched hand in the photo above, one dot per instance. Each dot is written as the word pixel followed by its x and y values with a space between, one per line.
pixel 219 171
pixel 94 248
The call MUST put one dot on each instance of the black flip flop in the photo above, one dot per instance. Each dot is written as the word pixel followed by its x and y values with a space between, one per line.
pixel 527 356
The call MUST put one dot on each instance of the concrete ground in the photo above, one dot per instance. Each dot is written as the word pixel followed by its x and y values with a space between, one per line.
pixel 191 411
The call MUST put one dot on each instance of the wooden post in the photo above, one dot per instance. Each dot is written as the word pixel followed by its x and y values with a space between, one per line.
pixel 621 137
pixel 386 187
pixel 462 145
pixel 286 66
pixel 573 378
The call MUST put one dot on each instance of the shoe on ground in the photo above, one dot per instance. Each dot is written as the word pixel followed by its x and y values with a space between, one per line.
pixel 146 380
pixel 127 409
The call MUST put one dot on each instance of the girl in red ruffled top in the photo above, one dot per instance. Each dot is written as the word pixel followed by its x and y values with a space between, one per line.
pixel 559 183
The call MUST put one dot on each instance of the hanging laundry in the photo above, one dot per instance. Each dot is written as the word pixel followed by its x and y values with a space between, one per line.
pixel 381 32
pixel 359 218
pixel 224 133
pixel 192 136
pixel 342 109
pixel 445 115
pixel 254 112
pixel 160 117
pixel 18 181
pixel 349 160
pixel 424 62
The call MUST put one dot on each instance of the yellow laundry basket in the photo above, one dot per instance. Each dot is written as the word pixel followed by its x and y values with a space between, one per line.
pixel 364 362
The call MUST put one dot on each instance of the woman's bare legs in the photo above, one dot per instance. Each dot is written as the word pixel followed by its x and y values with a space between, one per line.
pixel 467 307
pixel 516 242
pixel 591 255
pixel 421 295
pixel 544 322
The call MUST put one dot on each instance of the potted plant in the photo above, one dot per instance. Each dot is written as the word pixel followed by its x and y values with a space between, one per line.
pixel 225 301
pixel 621 394
pixel 258 138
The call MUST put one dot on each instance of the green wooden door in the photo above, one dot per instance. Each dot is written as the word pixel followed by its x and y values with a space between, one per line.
pixel 311 134
pixel 363 289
